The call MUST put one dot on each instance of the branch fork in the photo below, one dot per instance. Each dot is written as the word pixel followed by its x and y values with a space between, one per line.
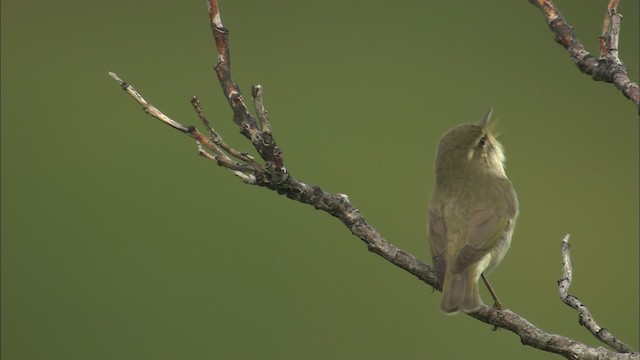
pixel 608 67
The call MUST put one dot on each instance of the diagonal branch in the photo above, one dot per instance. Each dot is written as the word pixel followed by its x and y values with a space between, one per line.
pixel 274 176
pixel 608 68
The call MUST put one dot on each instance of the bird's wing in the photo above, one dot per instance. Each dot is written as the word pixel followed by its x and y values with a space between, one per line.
pixel 438 242
pixel 486 227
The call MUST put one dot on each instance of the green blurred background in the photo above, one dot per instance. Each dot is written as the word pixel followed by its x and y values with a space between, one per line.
pixel 119 242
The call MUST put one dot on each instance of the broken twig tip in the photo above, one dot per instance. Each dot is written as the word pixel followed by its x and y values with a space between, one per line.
pixel 214 14
pixel 115 77
pixel 123 84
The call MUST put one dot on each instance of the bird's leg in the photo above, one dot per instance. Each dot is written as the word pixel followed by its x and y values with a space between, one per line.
pixel 496 302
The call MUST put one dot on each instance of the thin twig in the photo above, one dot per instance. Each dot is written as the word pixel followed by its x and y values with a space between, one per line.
pixel 585 317
pixel 609 39
pixel 222 160
pixel 147 107
pixel 613 32
pixel 217 139
pixel 256 93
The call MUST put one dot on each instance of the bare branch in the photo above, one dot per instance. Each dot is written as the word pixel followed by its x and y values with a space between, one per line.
pixel 585 317
pixel 263 142
pixel 273 175
pixel 608 68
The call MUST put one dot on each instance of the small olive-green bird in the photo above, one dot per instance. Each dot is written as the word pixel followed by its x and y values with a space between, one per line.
pixel 472 214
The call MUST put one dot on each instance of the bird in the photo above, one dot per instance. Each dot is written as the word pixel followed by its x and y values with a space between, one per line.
pixel 472 214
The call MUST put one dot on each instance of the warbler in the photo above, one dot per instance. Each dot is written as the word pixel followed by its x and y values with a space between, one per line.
pixel 472 214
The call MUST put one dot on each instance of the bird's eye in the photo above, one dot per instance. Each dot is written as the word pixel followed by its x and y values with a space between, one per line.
pixel 482 142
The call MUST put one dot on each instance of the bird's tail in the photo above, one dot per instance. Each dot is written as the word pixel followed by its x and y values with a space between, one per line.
pixel 460 293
